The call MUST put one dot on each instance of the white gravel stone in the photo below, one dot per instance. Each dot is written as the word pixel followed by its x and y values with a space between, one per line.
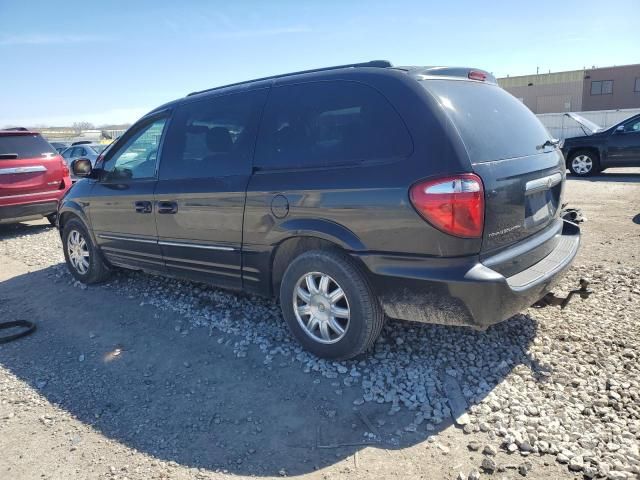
pixel 474 475
pixel 488 464
pixel 489 450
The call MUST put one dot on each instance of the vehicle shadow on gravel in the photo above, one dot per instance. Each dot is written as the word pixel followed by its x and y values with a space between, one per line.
pixel 14 230
pixel 144 377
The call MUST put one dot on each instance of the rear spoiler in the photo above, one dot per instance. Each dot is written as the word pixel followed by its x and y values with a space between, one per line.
pixel 476 74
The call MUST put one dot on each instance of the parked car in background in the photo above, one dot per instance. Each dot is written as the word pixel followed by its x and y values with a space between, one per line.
pixel 617 146
pixel 352 193
pixel 87 150
pixel 59 146
pixel 33 177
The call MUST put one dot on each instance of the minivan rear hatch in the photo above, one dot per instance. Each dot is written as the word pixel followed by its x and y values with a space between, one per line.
pixel 522 170
pixel 28 165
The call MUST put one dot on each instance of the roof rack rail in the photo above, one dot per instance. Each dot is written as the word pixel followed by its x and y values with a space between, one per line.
pixel 372 63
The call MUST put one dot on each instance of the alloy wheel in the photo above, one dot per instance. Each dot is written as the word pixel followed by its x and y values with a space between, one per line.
pixel 582 164
pixel 321 307
pixel 78 251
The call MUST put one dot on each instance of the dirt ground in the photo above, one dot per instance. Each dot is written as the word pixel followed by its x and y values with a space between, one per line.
pixel 111 387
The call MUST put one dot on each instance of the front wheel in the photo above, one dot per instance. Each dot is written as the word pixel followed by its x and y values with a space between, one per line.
pixel 84 261
pixel 584 163
pixel 329 305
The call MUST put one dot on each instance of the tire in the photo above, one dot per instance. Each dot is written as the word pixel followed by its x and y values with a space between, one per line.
pixel 77 244
pixel 310 313
pixel 51 218
pixel 584 163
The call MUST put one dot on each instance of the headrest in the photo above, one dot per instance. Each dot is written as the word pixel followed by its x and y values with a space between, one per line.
pixel 219 140
pixel 197 129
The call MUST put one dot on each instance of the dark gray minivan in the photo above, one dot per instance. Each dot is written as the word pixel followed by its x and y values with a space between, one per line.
pixel 351 193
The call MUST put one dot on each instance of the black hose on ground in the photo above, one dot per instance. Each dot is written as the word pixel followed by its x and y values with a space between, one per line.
pixel 28 329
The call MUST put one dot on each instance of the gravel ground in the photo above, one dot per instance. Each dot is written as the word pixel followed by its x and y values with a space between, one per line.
pixel 549 393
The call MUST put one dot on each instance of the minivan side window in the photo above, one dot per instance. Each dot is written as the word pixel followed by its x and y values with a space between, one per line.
pixel 214 137
pixel 136 159
pixel 329 123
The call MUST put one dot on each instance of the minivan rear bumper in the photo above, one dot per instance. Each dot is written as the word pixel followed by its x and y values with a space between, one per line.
pixel 463 291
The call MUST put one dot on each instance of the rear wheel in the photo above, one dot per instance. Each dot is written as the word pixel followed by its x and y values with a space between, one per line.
pixel 584 163
pixel 52 218
pixel 329 305
pixel 84 261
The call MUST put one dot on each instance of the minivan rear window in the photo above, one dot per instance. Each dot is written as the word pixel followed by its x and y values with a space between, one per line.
pixel 493 124
pixel 25 146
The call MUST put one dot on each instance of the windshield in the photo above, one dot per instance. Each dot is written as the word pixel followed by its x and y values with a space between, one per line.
pixel 588 124
pixel 492 123
pixel 25 146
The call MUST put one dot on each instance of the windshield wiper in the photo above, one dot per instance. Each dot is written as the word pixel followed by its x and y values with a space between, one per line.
pixel 552 142
pixel 8 156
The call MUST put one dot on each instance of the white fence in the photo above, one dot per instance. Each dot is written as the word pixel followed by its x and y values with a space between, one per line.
pixel 72 135
pixel 560 126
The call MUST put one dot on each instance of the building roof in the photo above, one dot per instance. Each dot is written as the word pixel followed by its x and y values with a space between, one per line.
pixel 542 79
pixel 552 77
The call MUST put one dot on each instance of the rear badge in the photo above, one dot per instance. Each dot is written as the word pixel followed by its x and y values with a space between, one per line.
pixel 505 230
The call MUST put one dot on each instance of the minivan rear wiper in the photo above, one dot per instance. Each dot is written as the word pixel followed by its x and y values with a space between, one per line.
pixel 8 156
pixel 552 142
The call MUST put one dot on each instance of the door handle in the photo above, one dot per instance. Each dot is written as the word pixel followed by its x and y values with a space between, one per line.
pixel 143 207
pixel 167 207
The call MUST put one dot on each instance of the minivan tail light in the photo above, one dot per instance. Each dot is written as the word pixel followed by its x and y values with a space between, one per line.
pixel 453 204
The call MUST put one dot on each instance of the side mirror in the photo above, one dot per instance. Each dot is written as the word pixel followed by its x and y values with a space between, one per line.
pixel 620 129
pixel 81 167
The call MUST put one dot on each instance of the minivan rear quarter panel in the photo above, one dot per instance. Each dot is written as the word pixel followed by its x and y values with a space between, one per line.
pixel 363 207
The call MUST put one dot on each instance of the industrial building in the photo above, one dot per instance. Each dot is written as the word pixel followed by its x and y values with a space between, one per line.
pixel 608 88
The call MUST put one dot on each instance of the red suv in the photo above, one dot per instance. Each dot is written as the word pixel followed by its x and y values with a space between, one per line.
pixel 33 177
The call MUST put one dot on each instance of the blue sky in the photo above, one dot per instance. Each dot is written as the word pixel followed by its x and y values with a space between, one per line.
pixel 111 61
